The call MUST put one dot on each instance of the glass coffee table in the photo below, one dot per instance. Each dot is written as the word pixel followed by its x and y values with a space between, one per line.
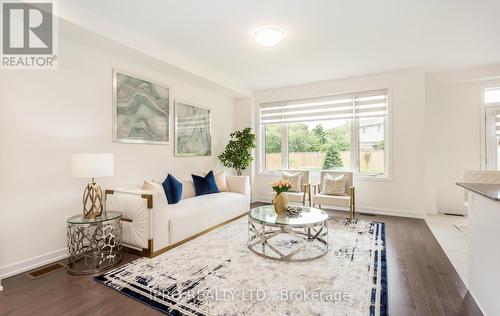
pixel 292 239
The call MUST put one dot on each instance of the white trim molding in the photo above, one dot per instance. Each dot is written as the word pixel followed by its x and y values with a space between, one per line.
pixel 30 264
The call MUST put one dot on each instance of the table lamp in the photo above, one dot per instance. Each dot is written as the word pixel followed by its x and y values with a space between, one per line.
pixel 92 166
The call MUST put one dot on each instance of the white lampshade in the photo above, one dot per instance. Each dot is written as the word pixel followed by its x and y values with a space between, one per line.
pixel 92 165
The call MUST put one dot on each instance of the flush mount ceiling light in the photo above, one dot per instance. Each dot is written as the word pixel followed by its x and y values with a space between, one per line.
pixel 269 35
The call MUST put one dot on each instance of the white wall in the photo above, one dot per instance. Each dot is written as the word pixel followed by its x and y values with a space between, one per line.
pixel 454 102
pixel 404 193
pixel 46 116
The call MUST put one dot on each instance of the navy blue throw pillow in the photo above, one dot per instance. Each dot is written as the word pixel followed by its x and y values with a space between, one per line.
pixel 173 189
pixel 205 185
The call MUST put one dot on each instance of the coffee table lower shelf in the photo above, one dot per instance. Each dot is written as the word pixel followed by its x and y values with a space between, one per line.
pixel 304 238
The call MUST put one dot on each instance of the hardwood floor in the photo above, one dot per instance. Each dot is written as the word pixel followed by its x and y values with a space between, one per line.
pixel 421 280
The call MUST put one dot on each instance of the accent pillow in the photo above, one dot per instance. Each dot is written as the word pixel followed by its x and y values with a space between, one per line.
pixel 220 180
pixel 205 185
pixel 295 179
pixel 152 185
pixel 173 189
pixel 187 188
pixel 158 188
pixel 333 186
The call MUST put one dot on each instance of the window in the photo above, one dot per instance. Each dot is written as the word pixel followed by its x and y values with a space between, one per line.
pixel 371 145
pixel 319 145
pixel 492 128
pixel 492 95
pixel 274 156
pixel 337 132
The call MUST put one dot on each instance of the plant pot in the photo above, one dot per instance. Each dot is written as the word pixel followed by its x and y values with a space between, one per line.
pixel 280 203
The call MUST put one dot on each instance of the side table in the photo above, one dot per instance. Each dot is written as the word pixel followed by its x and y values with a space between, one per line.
pixel 94 245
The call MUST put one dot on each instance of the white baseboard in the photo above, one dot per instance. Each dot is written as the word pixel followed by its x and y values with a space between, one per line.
pixel 391 212
pixel 369 210
pixel 33 263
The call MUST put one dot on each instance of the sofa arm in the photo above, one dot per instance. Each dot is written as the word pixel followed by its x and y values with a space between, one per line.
pixel 135 206
pixel 240 184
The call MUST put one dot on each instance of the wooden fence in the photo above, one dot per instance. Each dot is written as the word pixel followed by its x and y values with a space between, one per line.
pixel 372 161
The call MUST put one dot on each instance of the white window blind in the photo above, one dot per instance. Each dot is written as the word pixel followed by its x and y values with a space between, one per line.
pixel 358 105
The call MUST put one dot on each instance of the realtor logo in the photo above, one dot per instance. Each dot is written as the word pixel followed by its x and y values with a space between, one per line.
pixel 28 35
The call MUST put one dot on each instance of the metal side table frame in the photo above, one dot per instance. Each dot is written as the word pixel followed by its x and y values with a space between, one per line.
pixel 94 245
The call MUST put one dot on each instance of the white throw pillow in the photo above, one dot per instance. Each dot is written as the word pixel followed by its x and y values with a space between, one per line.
pixel 333 186
pixel 220 180
pixel 151 185
pixel 187 188
pixel 295 179
pixel 158 188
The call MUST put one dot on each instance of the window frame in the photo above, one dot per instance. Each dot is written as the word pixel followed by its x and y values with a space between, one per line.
pixel 355 160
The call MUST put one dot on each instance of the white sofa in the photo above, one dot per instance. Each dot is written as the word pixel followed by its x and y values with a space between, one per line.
pixel 151 225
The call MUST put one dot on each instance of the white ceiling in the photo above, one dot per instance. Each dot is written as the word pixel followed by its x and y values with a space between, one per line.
pixel 326 39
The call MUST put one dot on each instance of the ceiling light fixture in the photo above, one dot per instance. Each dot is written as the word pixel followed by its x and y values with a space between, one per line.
pixel 269 35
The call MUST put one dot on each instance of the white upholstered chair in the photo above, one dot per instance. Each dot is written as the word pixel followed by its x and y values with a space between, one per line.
pixel 342 202
pixel 304 195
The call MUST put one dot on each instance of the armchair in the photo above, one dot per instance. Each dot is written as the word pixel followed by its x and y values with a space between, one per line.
pixel 343 202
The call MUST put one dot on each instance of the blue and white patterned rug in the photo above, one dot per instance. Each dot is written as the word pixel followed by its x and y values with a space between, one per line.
pixel 216 274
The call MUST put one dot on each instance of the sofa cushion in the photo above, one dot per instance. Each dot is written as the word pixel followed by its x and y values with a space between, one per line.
pixel 193 215
pixel 152 185
pixel 220 180
pixel 205 185
pixel 333 200
pixel 173 189
pixel 187 188
pixel 293 196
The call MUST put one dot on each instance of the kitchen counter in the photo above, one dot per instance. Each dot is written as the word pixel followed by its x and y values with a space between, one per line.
pixel 484 250
pixel 488 190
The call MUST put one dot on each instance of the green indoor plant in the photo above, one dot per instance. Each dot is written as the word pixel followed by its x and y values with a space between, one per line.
pixel 238 152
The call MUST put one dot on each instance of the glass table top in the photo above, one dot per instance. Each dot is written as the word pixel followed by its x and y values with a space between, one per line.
pixel 308 216
pixel 105 216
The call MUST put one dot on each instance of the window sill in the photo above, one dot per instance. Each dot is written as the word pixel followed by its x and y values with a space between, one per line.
pixel 382 178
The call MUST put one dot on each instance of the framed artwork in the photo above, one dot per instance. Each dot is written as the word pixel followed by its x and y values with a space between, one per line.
pixel 192 130
pixel 140 110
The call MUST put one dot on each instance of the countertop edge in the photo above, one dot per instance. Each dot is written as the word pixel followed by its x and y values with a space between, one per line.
pixel 470 187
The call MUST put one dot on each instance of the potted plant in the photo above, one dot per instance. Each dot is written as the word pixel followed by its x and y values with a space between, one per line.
pixel 280 201
pixel 238 152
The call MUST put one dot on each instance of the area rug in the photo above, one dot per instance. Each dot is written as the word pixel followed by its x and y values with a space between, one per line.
pixel 216 274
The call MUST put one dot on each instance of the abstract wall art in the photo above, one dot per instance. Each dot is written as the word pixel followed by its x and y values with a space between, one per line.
pixel 192 130
pixel 140 110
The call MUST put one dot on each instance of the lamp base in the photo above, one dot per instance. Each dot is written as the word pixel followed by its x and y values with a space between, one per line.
pixel 92 201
